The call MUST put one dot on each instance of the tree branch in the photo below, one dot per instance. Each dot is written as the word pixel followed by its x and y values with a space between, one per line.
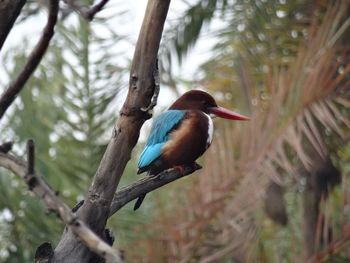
pixel 85 11
pixel 9 11
pixel 33 61
pixel 37 184
pixel 95 210
pixel 148 184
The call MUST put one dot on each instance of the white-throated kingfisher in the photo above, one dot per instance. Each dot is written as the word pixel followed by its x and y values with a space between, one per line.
pixel 181 134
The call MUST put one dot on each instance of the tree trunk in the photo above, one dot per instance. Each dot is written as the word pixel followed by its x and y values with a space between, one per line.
pixel 95 210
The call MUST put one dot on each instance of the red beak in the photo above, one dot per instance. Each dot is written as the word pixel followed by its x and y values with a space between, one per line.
pixel 227 114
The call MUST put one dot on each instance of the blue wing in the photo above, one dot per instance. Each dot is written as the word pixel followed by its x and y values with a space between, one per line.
pixel 159 135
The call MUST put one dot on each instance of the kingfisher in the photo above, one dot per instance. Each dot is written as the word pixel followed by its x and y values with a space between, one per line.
pixel 180 135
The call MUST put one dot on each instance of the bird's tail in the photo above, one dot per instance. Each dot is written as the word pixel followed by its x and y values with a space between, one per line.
pixel 139 201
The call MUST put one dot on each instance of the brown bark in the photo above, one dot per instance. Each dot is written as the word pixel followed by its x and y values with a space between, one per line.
pixel 9 11
pixel 148 184
pixel 95 210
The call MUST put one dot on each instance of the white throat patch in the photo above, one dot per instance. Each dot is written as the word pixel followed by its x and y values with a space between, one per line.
pixel 210 130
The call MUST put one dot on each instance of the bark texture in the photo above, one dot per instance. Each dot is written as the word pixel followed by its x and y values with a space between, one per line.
pixel 96 208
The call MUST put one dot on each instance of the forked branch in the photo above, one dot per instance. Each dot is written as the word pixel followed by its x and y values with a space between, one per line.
pixel 85 11
pixel 54 204
pixel 33 61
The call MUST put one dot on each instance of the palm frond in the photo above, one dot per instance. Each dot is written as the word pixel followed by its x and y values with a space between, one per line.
pixel 290 121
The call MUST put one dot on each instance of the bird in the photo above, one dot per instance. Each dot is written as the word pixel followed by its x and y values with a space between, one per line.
pixel 180 135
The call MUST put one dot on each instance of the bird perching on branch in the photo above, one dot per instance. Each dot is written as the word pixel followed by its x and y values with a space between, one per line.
pixel 181 134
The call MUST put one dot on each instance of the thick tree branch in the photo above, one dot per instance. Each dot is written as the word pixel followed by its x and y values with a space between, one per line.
pixel 33 61
pixel 148 184
pixel 95 210
pixel 36 184
pixel 9 11
pixel 85 11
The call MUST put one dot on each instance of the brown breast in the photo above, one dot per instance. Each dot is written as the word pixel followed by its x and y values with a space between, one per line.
pixel 189 141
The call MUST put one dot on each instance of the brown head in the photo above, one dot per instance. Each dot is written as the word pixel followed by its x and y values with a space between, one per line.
pixel 200 100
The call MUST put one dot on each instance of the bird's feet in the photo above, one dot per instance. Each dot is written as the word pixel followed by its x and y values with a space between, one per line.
pixel 181 168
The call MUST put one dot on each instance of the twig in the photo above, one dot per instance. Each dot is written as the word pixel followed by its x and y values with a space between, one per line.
pixel 85 11
pixel 33 61
pixel 148 184
pixel 95 9
pixel 37 184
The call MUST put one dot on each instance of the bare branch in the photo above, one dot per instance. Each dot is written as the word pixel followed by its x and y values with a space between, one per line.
pixel 148 184
pixel 9 11
pixel 95 210
pixel 85 11
pixel 95 9
pixel 37 184
pixel 33 61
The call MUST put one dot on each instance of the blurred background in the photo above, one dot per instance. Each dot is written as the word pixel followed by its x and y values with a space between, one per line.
pixel 274 189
